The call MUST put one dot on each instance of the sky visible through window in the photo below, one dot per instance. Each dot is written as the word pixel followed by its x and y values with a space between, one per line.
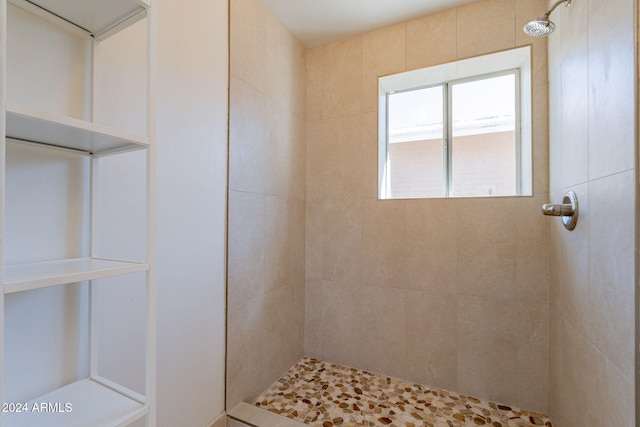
pixel 416 115
pixel 478 106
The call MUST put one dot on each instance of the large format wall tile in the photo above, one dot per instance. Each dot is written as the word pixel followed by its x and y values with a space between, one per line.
pixel 314 310
pixel 248 42
pixel 486 26
pixel 575 116
pixel 297 244
pixel 245 342
pixel 384 249
pixel 246 247
pixel 314 104
pixel 341 148
pixel 343 337
pixel 540 131
pixel 277 256
pixel 431 257
pixel 591 362
pixel 384 328
pixel 280 153
pixel 611 269
pixel 247 137
pixel 431 40
pixel 383 52
pixel 285 70
pixel 611 83
pixel 267 208
pixel 313 269
pixel 532 342
pixel 532 251
pixel 315 160
pixel 342 241
pixel 422 273
pixel 342 77
pixel 575 396
pixel 487 348
pixel 487 253
pixel 282 345
pixel 431 331
pixel 369 156
pixel 569 288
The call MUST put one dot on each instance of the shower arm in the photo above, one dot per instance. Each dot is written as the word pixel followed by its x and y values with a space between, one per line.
pixel 558 3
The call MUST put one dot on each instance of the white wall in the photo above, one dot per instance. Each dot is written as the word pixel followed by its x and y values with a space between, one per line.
pixel 191 154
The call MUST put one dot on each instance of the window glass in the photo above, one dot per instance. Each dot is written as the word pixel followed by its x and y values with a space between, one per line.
pixel 483 119
pixel 415 164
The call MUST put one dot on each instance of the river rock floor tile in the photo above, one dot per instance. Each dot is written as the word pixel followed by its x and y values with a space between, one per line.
pixel 322 394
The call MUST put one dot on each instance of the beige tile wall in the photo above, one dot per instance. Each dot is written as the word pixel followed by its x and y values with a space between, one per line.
pixel 267 158
pixel 593 146
pixel 452 293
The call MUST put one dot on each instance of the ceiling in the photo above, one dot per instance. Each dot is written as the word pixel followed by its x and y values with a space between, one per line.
pixel 316 22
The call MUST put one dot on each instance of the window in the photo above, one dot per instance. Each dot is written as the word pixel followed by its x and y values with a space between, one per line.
pixel 457 130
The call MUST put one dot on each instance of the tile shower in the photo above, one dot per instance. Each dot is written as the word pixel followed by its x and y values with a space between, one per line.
pixel 453 294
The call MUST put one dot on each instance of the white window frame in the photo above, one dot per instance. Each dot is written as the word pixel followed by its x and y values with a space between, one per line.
pixel 514 61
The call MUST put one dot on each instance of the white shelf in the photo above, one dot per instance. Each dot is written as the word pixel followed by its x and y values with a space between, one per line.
pixel 24 277
pixel 92 404
pixel 28 124
pixel 96 16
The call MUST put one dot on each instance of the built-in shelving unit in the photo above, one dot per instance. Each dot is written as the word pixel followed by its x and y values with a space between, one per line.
pixel 92 401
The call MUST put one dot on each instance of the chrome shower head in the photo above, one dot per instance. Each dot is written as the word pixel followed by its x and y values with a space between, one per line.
pixel 543 26
pixel 539 27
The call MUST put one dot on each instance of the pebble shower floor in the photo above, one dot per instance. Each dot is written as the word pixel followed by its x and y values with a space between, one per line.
pixel 323 394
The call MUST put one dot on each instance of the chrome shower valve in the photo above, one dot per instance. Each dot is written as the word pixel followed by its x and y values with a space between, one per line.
pixel 568 210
